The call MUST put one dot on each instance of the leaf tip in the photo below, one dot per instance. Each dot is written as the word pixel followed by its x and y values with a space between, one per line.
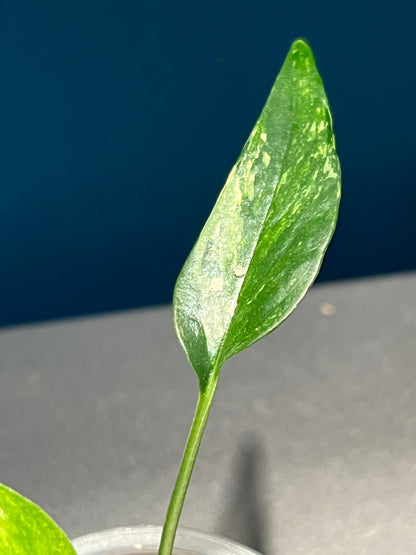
pixel 300 55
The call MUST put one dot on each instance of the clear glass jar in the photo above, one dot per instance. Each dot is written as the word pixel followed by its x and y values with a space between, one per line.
pixel 145 541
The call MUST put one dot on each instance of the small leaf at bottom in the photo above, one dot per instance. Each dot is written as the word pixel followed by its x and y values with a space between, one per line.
pixel 25 529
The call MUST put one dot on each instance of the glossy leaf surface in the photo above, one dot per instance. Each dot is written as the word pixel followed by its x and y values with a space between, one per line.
pixel 27 530
pixel 265 239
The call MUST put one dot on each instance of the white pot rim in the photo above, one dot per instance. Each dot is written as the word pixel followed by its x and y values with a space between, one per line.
pixel 146 537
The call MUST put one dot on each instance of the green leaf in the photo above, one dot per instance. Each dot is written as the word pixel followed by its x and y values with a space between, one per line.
pixel 26 530
pixel 265 239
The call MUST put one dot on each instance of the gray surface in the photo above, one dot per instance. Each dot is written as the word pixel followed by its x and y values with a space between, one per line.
pixel 310 448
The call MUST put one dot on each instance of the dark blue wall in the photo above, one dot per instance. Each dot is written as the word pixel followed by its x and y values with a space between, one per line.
pixel 120 121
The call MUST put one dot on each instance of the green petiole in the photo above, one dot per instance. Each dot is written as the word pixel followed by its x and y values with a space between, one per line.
pixel 203 407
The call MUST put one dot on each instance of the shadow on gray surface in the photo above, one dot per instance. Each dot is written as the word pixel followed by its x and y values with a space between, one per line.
pixel 244 518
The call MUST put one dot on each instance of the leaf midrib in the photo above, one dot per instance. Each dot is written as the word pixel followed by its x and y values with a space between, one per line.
pixel 217 362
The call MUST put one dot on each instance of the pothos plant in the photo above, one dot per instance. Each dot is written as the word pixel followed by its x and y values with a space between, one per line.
pixel 255 259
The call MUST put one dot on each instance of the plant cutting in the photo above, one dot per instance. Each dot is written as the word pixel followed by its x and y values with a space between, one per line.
pixel 257 255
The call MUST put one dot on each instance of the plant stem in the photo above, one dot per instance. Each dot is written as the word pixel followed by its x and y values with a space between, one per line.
pixel 188 460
